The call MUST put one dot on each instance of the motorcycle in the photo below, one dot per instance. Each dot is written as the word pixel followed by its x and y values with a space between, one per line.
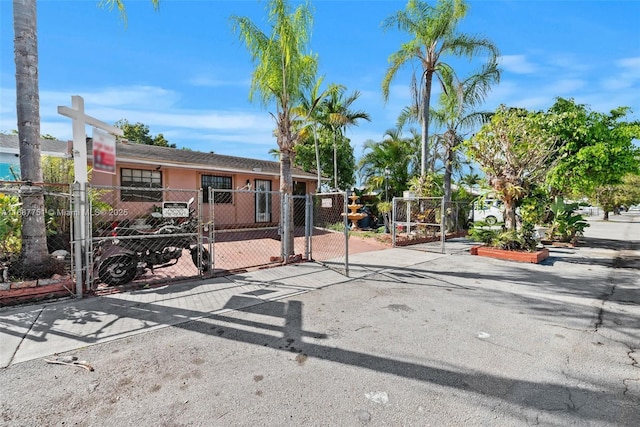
pixel 130 252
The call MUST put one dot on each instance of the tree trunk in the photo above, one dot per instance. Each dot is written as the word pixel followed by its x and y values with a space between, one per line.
pixel 335 161
pixel 317 147
pixel 509 214
pixel 286 191
pixel 448 172
pixel 34 238
pixel 426 99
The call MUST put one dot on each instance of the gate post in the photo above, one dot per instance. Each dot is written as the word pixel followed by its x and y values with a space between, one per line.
pixel 346 232
pixel 443 228
pixel 308 222
pixel 78 246
pixel 286 229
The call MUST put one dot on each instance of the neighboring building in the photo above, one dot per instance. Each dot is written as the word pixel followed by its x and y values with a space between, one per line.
pixel 139 165
pixel 10 154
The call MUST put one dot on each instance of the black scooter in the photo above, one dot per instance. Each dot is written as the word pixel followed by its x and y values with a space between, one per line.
pixel 131 252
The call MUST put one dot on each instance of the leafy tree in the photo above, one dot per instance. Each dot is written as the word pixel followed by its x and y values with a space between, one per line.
pixel 628 193
pixel 139 133
pixel 284 69
pixel 595 150
pixel 613 197
pixel 435 36
pixel 514 150
pixel 324 140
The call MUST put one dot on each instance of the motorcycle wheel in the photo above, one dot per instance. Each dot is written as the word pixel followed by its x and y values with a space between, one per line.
pixel 117 270
pixel 206 263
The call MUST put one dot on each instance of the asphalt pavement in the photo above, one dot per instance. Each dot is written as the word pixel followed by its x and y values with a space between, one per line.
pixel 412 337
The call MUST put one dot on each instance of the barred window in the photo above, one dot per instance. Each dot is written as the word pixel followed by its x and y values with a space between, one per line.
pixel 144 182
pixel 217 183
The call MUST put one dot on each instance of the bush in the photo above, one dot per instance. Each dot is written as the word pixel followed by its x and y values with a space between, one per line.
pixel 10 223
pixel 511 240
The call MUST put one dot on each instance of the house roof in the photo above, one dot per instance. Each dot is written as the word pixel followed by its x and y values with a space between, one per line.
pixel 48 147
pixel 164 156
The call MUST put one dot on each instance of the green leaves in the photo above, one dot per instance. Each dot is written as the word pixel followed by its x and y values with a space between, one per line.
pixel 595 149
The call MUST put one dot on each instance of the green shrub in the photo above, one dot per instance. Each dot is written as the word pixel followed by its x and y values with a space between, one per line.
pixel 10 225
pixel 511 240
pixel 566 225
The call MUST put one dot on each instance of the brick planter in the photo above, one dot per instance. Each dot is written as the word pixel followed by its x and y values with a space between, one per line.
pixel 519 256
pixel 35 290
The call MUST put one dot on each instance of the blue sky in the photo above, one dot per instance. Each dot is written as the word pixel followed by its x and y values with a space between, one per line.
pixel 182 72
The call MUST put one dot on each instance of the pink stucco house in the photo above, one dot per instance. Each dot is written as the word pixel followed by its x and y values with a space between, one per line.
pixel 145 166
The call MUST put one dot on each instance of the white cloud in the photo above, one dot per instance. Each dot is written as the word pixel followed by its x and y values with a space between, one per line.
pixel 518 64
pixel 565 87
pixel 626 75
pixel 208 81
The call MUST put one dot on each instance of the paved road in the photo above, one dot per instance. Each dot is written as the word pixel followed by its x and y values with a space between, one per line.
pixel 413 338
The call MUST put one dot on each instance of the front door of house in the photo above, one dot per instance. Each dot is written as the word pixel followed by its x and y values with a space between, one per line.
pixel 263 200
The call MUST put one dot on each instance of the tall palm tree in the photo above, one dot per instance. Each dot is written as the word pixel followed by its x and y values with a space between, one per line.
pixel 434 37
pixel 119 4
pixel 337 116
pixel 34 236
pixel 457 113
pixel 283 70
pixel 34 248
pixel 309 108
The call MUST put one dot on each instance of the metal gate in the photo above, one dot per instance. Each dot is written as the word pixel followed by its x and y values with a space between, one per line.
pixel 238 230
pixel 418 220
pixel 329 231
pixel 426 223
pixel 145 236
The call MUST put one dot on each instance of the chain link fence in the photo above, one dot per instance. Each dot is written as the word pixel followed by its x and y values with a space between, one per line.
pixel 146 236
pixel 329 233
pixel 58 218
pixel 428 222
pixel 244 228
pixel 139 236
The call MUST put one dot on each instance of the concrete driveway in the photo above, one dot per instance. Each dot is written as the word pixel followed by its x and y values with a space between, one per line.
pixel 412 338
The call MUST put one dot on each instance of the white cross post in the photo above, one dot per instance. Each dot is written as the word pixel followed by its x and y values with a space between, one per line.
pixel 80 120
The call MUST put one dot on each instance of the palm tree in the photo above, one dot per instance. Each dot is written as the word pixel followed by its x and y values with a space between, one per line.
pixel 386 165
pixel 434 37
pixel 34 248
pixel 283 70
pixel 34 236
pixel 119 4
pixel 337 116
pixel 309 108
pixel 457 113
pixel 471 180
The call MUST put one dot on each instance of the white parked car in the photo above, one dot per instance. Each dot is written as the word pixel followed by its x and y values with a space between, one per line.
pixel 488 210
